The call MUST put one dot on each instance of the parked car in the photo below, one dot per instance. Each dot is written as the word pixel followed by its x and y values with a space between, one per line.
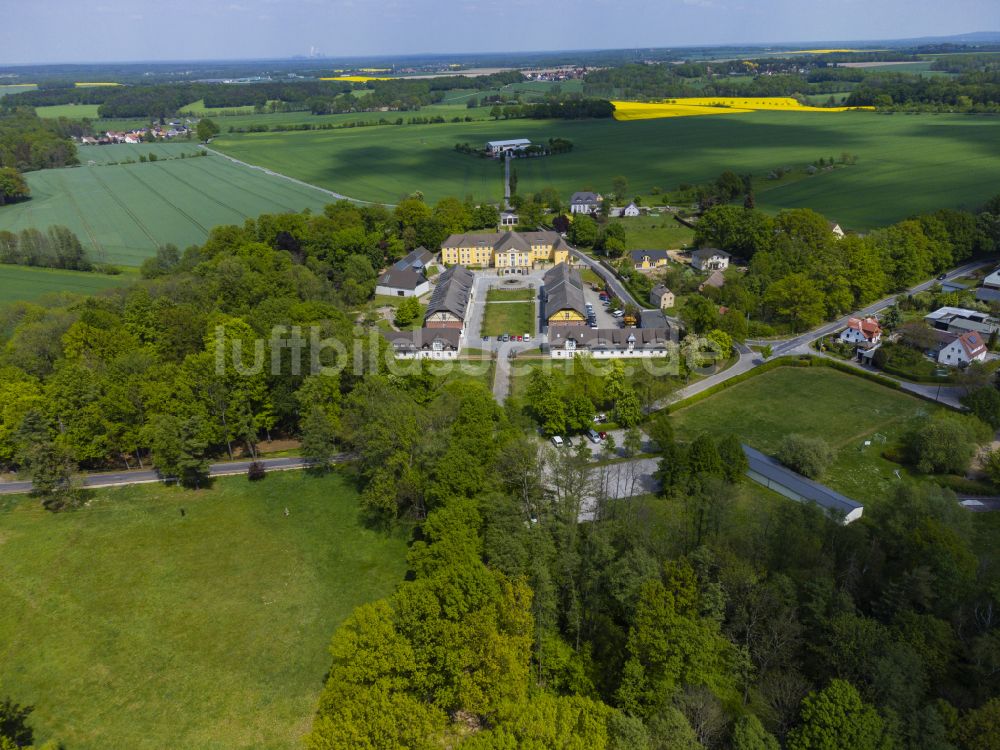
pixel 600 418
pixel 619 313
pixel 520 338
pixel 505 338
pixel 557 441
pixel 568 441
pixel 594 436
pixel 603 434
pixel 486 338
pixel 527 337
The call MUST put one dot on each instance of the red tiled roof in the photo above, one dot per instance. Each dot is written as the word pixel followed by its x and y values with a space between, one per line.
pixel 973 343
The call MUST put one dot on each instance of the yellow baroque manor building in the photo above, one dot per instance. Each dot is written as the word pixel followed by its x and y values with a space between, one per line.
pixel 513 252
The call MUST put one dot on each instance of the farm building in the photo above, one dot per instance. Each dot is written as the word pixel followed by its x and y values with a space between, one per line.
pixel 958 320
pixel 629 211
pixel 407 277
pixel 449 305
pixel 662 297
pixel 710 259
pixel 770 473
pixel 648 260
pixel 585 203
pixel 562 292
pixel 496 148
pixel 610 343
pixel 715 279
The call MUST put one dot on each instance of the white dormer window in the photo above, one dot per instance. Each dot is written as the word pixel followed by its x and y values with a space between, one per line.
pixel 571 343
pixel 437 346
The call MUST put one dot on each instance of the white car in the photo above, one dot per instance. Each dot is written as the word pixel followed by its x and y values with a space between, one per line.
pixel 557 441
pixel 527 337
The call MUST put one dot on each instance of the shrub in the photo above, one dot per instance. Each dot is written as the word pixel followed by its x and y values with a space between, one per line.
pixel 944 444
pixel 256 471
pixel 809 456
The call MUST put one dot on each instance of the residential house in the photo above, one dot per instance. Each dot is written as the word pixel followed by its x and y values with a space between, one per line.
pixel 425 343
pixel 407 277
pixel 449 305
pixel 959 320
pixel 835 230
pixel 562 293
pixel 609 343
pixel 992 281
pixel 511 252
pixel 662 297
pixel 648 260
pixel 865 331
pixel 710 259
pixel 585 203
pixel 498 148
pixel 715 279
pixel 629 211
pixel 772 474
pixel 962 350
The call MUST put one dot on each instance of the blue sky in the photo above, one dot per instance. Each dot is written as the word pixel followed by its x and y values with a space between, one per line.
pixel 114 30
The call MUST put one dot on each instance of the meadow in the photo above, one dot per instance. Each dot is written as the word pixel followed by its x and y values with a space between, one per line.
pixel 844 410
pixel 15 88
pixel 905 163
pixel 122 213
pixel 127 624
pixel 516 318
pixel 19 283
pixel 69 111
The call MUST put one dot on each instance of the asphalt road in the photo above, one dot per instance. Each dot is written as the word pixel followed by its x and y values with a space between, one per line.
pixel 138 476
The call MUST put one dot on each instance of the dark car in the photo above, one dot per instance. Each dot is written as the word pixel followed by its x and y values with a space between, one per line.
pixel 942 277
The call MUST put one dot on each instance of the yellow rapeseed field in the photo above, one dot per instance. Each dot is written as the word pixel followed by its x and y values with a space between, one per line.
pixel 828 51
pixel 718 105
pixel 357 79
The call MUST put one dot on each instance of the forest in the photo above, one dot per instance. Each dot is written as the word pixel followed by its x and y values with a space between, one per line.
pixel 702 618
pixel 27 142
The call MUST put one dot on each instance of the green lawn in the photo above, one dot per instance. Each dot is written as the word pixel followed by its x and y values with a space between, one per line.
pixel 905 163
pixel 655 232
pixel 842 409
pixel 511 295
pixel 69 111
pixel 19 283
pixel 16 88
pixel 127 625
pixel 123 213
pixel 516 318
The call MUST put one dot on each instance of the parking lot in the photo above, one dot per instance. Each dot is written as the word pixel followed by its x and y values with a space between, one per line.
pixel 604 318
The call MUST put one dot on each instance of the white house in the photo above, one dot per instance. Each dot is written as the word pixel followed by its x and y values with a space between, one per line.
pixel 630 210
pixel 862 331
pixel 610 343
pixel 964 349
pixel 836 230
pixel 585 203
pixel 496 148
pixel 508 220
pixel 710 259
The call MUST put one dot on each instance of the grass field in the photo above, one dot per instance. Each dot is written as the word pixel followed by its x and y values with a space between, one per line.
pixel 516 318
pixel 510 295
pixel 16 88
pixel 127 625
pixel 123 213
pixel 69 111
pixel 19 283
pixel 842 409
pixel 655 232
pixel 905 163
